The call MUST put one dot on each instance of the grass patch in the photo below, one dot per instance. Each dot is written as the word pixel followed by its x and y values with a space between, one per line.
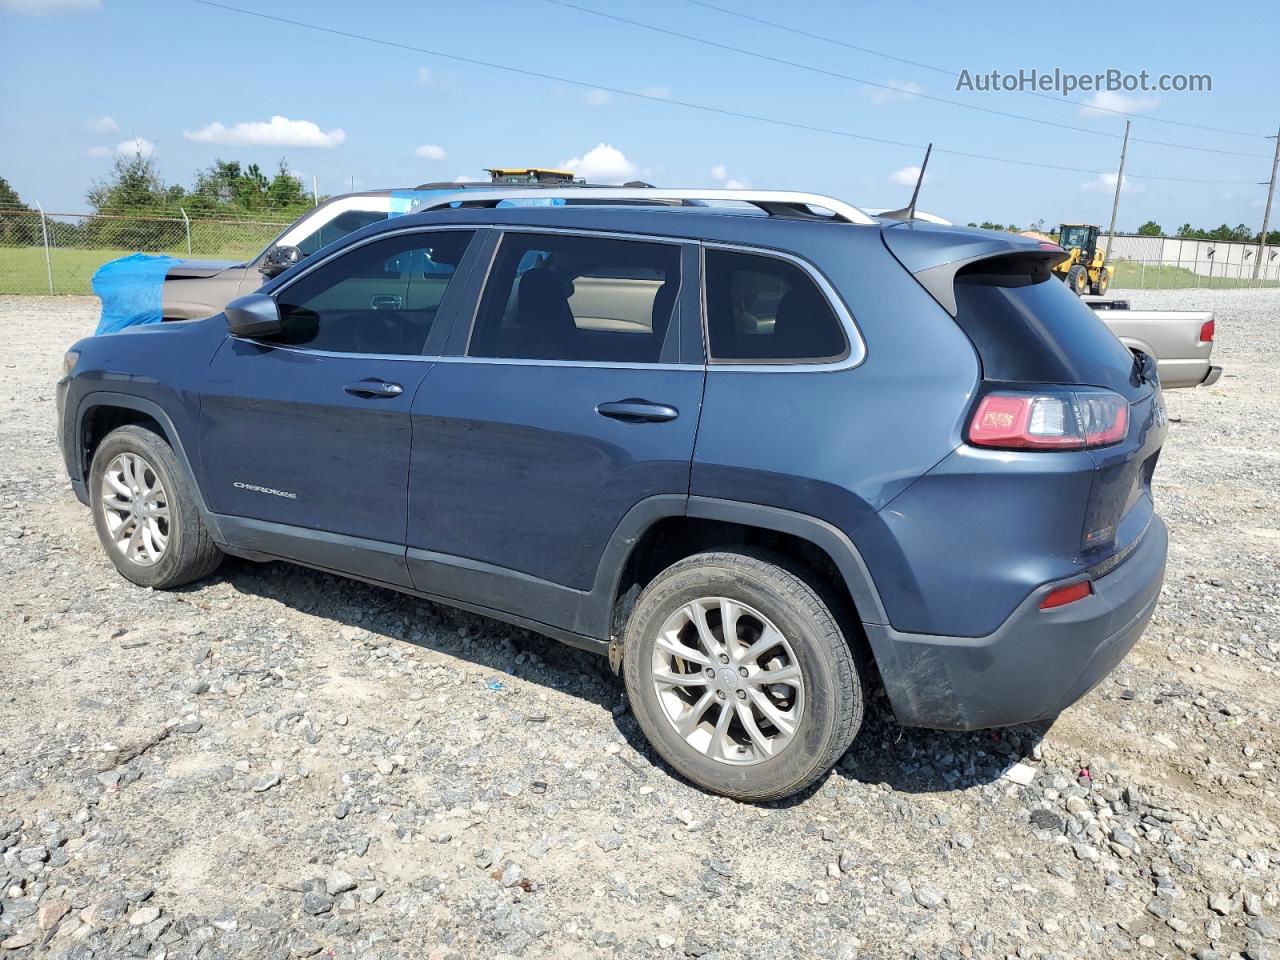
pixel 1164 276
pixel 23 269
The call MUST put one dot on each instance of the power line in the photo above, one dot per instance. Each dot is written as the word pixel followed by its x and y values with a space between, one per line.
pixel 881 86
pixel 952 73
pixel 668 101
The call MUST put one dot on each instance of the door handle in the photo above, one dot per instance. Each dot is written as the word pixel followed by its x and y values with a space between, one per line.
pixel 372 387
pixel 633 410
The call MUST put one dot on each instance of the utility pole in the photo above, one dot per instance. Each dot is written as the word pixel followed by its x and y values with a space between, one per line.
pixel 1115 204
pixel 1266 211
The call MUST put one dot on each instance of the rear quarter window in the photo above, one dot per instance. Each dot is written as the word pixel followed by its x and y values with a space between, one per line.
pixel 763 309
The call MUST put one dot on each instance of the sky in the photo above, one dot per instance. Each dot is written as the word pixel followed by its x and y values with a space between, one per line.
pixel 187 83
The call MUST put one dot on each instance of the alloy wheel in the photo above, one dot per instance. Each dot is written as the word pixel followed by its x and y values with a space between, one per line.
pixel 136 509
pixel 728 681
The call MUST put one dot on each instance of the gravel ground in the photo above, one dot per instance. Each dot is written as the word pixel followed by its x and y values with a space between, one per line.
pixel 280 763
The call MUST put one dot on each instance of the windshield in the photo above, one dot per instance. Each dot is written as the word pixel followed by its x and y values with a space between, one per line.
pixel 1074 237
pixel 326 230
pixel 1031 330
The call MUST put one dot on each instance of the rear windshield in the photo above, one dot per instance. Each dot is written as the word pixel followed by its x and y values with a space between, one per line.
pixel 1035 330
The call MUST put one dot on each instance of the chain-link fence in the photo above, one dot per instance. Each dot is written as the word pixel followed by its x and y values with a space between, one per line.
pixel 52 252
pixel 1155 263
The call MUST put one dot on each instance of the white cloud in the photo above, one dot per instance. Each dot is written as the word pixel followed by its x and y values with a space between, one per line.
pixel 603 163
pixel 278 132
pixel 48 6
pixel 907 177
pixel 138 146
pixel 102 124
pixel 720 175
pixel 1104 101
pixel 425 76
pixel 901 90
pixel 597 98
pixel 662 93
pixel 430 151
pixel 1106 183
pixel 99 153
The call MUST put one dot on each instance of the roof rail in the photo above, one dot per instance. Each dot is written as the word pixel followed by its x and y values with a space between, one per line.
pixel 772 202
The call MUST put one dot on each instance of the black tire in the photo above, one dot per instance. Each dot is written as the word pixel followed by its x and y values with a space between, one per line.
pixel 1078 279
pixel 190 553
pixel 1104 281
pixel 833 685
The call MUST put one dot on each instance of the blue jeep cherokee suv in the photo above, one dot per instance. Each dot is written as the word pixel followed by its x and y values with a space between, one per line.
pixel 758 456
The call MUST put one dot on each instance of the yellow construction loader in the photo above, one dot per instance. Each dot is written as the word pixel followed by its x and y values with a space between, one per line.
pixel 1083 271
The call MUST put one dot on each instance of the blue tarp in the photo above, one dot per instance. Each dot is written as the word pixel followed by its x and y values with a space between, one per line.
pixel 131 290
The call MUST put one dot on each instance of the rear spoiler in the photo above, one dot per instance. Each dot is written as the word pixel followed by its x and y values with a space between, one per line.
pixel 935 255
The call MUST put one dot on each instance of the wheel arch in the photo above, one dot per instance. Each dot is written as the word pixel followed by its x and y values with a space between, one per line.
pixel 660 537
pixel 100 412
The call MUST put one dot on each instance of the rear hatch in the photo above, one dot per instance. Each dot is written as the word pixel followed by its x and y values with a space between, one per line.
pixel 1034 336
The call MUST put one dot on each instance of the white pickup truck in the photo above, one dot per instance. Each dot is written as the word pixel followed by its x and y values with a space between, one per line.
pixel 1179 340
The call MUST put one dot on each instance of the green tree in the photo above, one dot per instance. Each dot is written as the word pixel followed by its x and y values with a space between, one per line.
pixel 134 207
pixel 1150 229
pixel 19 226
pixel 228 187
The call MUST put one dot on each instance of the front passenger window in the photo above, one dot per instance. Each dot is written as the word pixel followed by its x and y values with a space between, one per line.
pixel 378 298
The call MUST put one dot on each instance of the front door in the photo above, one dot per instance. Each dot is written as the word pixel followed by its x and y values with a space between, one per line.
pixel 571 405
pixel 305 436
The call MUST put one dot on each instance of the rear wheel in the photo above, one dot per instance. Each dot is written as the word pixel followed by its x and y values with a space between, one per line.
pixel 740 675
pixel 1078 280
pixel 145 514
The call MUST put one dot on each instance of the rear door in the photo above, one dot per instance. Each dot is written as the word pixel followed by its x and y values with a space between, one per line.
pixel 571 401
pixel 305 436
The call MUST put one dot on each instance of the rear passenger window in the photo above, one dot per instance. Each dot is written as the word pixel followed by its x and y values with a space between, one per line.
pixel 765 309
pixel 552 297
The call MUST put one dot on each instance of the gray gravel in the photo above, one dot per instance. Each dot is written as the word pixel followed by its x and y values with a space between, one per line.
pixel 278 763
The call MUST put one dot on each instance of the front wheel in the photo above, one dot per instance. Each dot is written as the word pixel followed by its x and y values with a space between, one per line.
pixel 145 514
pixel 740 675
pixel 1078 280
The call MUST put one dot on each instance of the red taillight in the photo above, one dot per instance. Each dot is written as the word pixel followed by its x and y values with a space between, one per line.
pixel 1059 421
pixel 1206 332
pixel 1064 595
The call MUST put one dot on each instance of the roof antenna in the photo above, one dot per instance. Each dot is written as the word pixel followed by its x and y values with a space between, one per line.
pixel 909 211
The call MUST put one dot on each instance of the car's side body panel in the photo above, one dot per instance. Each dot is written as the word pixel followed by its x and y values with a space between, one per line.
pixel 496 485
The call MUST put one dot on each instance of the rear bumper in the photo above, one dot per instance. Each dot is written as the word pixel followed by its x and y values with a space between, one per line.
pixel 1178 374
pixel 1036 664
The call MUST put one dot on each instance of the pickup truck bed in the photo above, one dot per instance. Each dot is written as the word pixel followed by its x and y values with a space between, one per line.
pixel 1173 337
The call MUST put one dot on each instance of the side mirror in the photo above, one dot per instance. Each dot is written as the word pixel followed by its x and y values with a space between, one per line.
pixel 253 316
pixel 278 259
